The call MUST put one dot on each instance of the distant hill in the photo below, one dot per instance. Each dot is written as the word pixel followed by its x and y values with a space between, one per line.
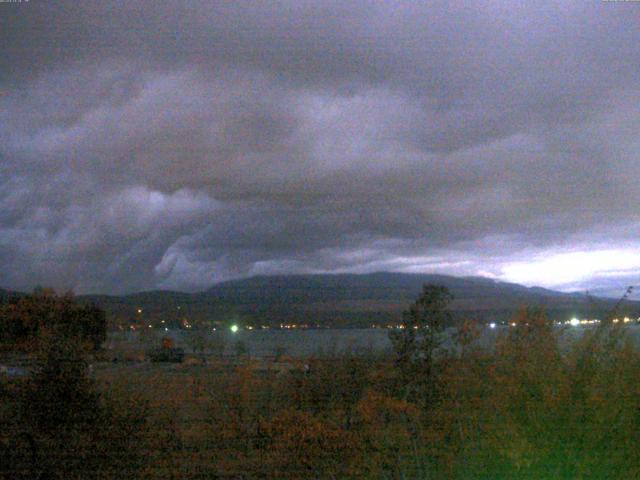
pixel 469 292
pixel 344 300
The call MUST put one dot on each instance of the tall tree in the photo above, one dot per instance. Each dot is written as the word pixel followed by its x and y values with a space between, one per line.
pixel 67 426
pixel 24 320
pixel 416 344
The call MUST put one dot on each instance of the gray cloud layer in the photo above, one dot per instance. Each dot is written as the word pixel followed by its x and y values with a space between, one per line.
pixel 158 144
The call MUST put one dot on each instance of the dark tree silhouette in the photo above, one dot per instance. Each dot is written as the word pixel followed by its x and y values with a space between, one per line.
pixel 415 345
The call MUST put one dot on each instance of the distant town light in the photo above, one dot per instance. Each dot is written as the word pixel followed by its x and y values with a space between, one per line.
pixel 139 310
pixel 492 325
pixel 574 322
pixel 234 328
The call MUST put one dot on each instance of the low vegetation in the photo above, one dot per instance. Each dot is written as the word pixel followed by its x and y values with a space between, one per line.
pixel 525 409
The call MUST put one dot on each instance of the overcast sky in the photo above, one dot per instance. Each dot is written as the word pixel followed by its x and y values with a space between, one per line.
pixel 173 145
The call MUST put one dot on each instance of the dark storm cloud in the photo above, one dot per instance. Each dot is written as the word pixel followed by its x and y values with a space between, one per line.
pixel 158 144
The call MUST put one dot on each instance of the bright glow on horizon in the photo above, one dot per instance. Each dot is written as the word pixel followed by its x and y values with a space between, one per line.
pixel 234 328
pixel 560 269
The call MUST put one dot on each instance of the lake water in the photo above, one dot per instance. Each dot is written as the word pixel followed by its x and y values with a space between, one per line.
pixel 309 342
pixel 264 343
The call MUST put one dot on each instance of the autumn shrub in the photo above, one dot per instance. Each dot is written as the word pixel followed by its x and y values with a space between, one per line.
pixel 527 410
pixel 301 445
pixel 391 437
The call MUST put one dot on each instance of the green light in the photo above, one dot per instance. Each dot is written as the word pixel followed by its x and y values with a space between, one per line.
pixel 234 328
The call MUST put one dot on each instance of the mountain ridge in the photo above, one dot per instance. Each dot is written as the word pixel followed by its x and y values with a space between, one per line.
pixel 343 300
pixel 356 299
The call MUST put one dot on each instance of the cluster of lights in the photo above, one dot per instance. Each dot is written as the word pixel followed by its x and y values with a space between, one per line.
pixel 625 320
pixel 402 326
pixel 576 322
pixel 235 328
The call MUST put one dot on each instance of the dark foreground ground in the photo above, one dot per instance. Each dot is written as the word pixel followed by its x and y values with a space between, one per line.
pixel 538 403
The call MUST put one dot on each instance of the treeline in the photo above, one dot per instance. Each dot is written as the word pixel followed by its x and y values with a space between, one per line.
pixel 26 319
pixel 524 409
